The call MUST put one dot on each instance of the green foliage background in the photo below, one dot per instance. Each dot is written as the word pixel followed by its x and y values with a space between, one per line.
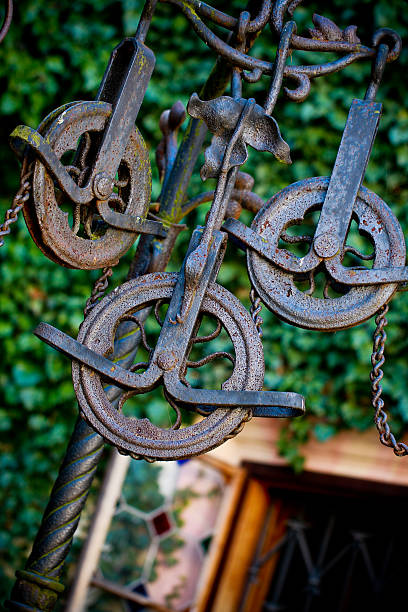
pixel 56 52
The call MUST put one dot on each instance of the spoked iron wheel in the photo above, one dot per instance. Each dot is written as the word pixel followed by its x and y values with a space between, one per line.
pixel 292 294
pixel 140 437
pixel 74 235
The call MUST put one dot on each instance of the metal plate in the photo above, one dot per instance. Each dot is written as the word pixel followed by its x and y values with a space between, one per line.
pixel 139 437
pixel 276 286
pixel 49 225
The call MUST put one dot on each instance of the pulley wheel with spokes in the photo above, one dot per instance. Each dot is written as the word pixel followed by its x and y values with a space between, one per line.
pixel 140 437
pixel 289 289
pixel 74 235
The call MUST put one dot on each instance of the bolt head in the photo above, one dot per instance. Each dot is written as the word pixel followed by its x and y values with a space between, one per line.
pixel 167 360
pixel 326 245
pixel 102 186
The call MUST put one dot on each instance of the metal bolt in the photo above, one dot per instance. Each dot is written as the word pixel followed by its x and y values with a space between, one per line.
pixel 102 186
pixel 326 245
pixel 167 360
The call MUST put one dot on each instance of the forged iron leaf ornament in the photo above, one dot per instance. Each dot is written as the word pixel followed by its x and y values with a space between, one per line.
pixel 220 115
pixel 327 30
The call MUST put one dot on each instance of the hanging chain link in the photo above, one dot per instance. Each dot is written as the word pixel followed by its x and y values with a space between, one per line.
pixel 99 288
pixel 377 360
pixel 20 199
pixel 255 311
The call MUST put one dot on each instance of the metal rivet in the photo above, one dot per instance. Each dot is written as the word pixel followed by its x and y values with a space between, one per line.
pixel 326 245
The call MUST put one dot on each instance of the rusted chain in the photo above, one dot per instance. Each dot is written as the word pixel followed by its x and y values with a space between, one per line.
pixel 99 288
pixel 20 199
pixel 377 360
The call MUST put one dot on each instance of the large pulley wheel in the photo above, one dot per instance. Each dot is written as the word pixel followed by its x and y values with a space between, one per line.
pixel 279 288
pixel 72 235
pixel 140 437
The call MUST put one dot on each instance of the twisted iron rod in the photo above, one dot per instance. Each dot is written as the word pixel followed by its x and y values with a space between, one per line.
pixel 38 586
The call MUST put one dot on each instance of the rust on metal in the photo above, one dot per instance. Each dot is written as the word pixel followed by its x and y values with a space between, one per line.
pixel 275 272
pixel 55 231
pixel 87 214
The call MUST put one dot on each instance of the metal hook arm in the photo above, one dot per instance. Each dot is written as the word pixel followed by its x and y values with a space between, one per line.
pixel 377 72
pixel 282 53
pixel 264 403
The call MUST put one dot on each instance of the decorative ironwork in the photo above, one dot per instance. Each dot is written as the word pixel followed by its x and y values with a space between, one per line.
pixel 234 122
pixel 221 116
pixel 191 295
pixel 274 271
pixel 295 542
pixel 38 585
pixel 118 149
pixel 326 557
pixel 97 245
pixel 107 188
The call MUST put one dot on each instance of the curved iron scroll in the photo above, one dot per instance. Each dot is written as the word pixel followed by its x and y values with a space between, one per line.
pixel 327 37
pixel 7 20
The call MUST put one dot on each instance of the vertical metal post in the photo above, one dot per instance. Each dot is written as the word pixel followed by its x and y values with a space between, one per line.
pixel 109 494
pixel 38 586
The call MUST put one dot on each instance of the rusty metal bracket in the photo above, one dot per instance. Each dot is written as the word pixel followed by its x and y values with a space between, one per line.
pixel 23 136
pixel 124 85
pixel 264 403
pixel 346 178
pixel 172 348
pixel 128 222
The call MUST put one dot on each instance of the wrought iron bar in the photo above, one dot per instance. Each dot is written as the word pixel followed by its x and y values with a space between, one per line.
pixel 38 584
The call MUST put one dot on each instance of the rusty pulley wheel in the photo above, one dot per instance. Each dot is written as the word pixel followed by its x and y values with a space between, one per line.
pixel 140 437
pixel 72 235
pixel 280 286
